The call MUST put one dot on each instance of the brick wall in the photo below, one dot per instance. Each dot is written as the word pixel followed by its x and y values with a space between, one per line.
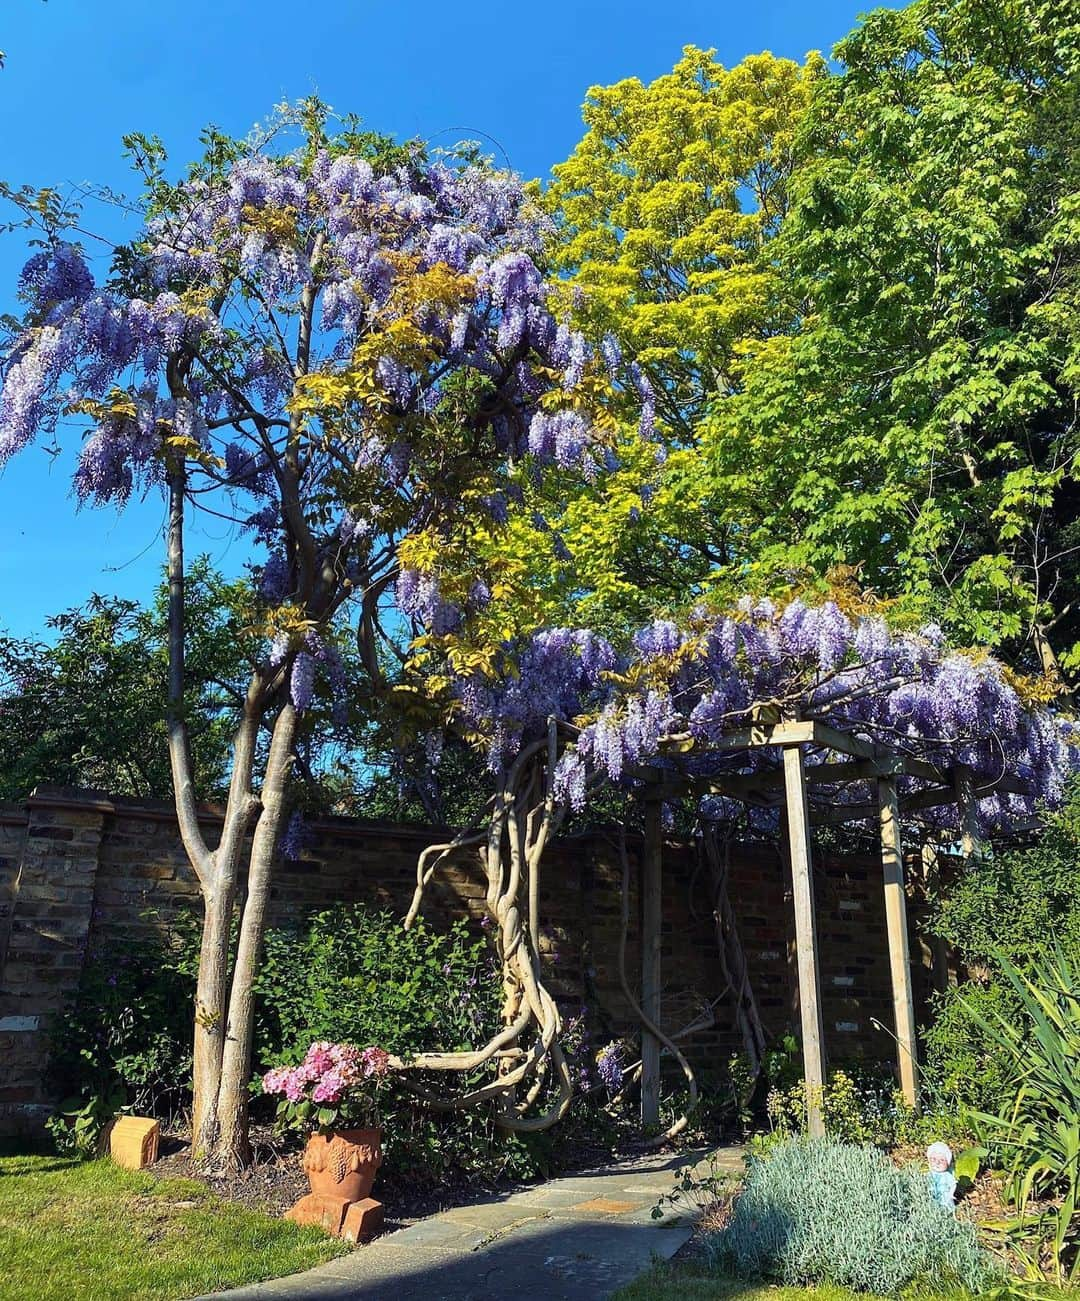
pixel 76 867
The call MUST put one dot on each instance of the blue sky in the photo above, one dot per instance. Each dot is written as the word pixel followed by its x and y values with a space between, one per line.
pixel 80 73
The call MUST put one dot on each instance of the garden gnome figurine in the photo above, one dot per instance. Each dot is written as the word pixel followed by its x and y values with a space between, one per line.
pixel 939 1158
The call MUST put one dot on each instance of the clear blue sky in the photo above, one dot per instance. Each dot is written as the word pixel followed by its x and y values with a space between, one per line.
pixel 80 73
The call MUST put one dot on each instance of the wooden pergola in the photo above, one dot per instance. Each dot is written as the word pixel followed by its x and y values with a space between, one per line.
pixel 787 788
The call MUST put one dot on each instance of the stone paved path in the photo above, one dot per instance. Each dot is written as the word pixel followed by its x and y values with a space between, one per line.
pixel 578 1238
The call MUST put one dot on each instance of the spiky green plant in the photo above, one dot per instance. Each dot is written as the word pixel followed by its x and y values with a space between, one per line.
pixel 1038 1135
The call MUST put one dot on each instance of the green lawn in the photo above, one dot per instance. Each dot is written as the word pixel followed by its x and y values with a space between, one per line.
pixel 674 1282
pixel 690 1283
pixel 93 1231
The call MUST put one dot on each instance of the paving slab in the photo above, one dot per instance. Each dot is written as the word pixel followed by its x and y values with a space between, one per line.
pixel 577 1238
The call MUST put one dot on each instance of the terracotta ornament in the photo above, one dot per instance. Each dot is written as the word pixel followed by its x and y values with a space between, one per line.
pixel 341 1168
pixel 133 1142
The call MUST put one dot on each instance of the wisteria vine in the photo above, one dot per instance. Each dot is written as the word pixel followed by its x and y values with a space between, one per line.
pixel 667 711
pixel 680 690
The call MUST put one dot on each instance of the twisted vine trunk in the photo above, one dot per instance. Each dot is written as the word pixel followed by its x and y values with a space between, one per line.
pixel 733 964
pixel 525 1054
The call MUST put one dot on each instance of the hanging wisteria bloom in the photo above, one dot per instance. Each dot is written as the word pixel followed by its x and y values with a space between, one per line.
pixel 341 345
pixel 683 689
pixel 195 358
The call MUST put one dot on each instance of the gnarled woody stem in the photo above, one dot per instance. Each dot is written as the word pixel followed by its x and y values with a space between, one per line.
pixel 523 815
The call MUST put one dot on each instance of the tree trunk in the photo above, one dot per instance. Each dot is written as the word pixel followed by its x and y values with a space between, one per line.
pixel 231 1148
pixel 210 1010
pixel 1050 665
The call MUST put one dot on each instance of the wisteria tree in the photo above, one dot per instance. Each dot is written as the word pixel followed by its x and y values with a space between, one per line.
pixel 565 714
pixel 344 346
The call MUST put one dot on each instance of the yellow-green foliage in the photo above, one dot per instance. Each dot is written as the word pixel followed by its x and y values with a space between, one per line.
pixel 666 203
pixel 663 213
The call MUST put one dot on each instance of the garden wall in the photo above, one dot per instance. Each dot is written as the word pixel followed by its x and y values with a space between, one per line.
pixel 76 866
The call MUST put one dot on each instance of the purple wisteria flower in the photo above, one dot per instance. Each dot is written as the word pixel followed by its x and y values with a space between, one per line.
pixel 611 1066
pixel 696 683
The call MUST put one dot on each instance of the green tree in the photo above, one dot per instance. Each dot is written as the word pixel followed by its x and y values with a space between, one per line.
pixel 86 708
pixel 664 215
pixel 918 416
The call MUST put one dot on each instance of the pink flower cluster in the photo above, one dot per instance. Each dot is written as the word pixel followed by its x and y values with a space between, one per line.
pixel 329 1070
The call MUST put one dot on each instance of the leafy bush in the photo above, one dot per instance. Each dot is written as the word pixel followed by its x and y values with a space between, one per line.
pixel 128 1031
pixel 349 975
pixel 1037 1135
pixel 821 1211
pixel 963 1068
pixel 1006 908
pixel 78 1127
pixel 860 1104
pixel 355 975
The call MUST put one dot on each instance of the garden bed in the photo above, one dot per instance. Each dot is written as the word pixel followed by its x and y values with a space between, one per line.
pixel 275 1179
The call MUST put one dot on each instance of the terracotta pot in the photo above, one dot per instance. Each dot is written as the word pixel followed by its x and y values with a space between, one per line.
pixel 343 1163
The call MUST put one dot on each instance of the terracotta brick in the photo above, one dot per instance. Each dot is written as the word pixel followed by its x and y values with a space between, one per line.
pixel 326 1212
pixel 362 1220
pixel 133 1142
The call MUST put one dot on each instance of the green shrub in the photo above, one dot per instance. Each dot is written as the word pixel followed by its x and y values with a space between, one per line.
pixel 355 975
pixel 128 1031
pixel 348 975
pixel 820 1211
pixel 860 1103
pixel 963 1068
pixel 1006 906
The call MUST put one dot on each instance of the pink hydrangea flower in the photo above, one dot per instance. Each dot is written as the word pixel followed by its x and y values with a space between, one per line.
pixel 347 1063
pixel 294 1086
pixel 376 1061
pixel 274 1080
pixel 319 1059
pixel 329 1088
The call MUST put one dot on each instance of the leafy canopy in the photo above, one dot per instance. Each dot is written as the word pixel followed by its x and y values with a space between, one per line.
pixel 917 416
pixel 87 708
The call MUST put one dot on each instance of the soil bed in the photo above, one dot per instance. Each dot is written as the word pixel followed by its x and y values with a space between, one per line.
pixel 275 1179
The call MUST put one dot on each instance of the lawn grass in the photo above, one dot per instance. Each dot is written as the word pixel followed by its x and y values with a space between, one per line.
pixel 692 1282
pixel 89 1230
pixel 686 1283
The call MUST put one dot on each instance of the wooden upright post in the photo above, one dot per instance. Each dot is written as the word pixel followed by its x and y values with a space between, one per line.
pixel 798 821
pixel 651 920
pixel 964 784
pixel 892 862
pixel 939 950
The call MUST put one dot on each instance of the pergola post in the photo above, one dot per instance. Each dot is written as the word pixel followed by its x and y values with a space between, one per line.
pixel 964 785
pixel 939 950
pixel 798 822
pixel 651 939
pixel 892 862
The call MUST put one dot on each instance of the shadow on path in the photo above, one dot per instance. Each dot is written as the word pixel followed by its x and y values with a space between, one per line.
pixel 577 1238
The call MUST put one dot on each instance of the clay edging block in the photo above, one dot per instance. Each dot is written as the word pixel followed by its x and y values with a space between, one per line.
pixel 133 1141
pixel 363 1220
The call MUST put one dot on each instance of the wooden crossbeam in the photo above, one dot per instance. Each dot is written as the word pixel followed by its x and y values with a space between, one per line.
pixel 866 761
